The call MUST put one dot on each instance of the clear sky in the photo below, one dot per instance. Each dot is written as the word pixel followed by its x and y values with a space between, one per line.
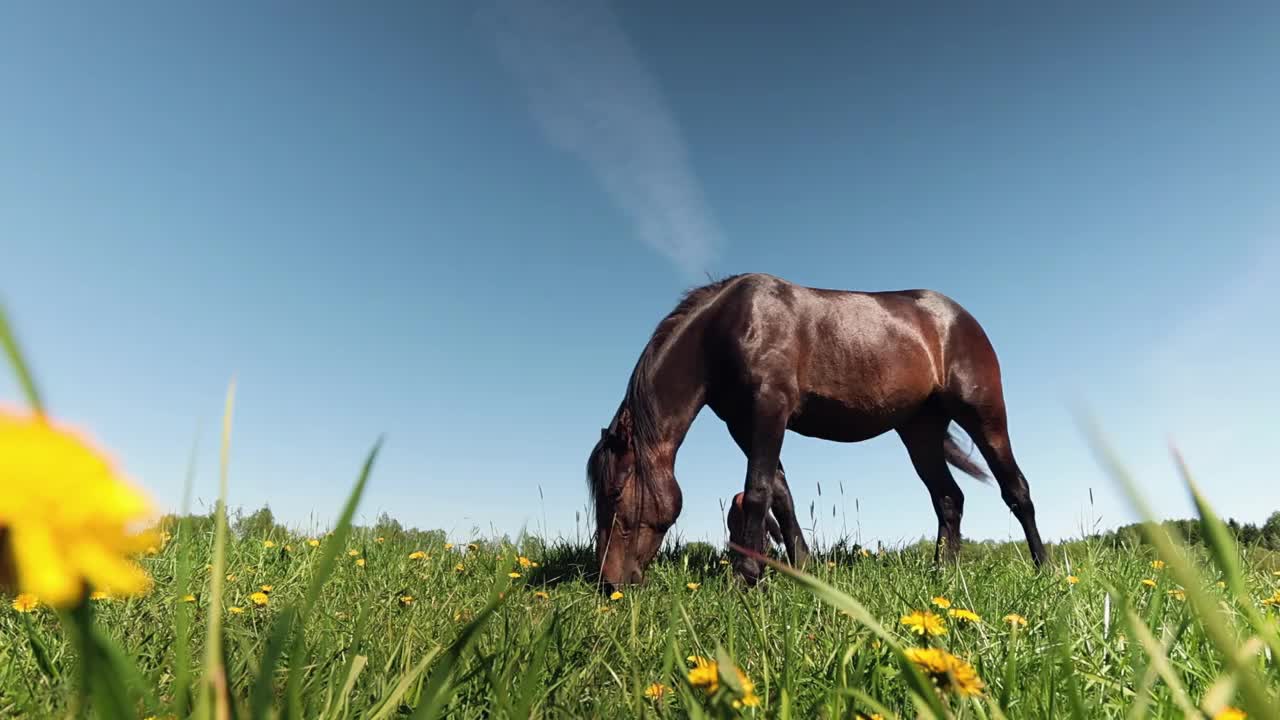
pixel 457 224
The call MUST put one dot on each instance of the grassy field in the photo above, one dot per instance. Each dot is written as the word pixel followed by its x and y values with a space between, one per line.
pixel 405 620
pixel 377 622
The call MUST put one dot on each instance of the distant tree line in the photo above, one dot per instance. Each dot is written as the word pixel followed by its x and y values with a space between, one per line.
pixel 1267 536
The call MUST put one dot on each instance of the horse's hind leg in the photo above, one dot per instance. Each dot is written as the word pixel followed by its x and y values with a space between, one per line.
pixel 923 437
pixel 987 424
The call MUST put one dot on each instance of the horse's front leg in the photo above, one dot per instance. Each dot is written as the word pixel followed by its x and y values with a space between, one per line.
pixel 768 426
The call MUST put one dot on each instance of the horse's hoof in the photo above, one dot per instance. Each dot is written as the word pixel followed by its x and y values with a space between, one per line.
pixel 748 570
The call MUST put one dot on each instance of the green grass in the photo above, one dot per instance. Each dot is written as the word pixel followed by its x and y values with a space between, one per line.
pixel 576 654
pixel 338 637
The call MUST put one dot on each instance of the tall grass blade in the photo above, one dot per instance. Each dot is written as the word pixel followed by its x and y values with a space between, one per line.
pixel 12 350
pixel 1257 702
pixel 213 696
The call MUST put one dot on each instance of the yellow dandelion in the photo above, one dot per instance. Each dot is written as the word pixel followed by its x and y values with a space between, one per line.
pixel 704 674
pixel 152 550
pixel 99 595
pixel 1221 584
pixel 617 595
pixel 259 598
pixel 924 622
pixel 656 691
pixel 865 552
pixel 1149 582
pixel 231 577
pixel 941 602
pixel 417 555
pixel 268 544
pixel 288 548
pixel 872 716
pixel 540 595
pixel 313 542
pixel 603 608
pixel 266 588
pixel 25 602
pixel 67 514
pixel 1272 601
pixel 235 609
pixel 513 575
pixel 965 615
pixel 189 598
pixel 406 600
pixel 724 562
pixel 448 546
pixel 1230 713
pixel 1015 619
pixel 947 671
pixel 1072 579
pixel 1157 564
pixel 359 562
pixel 459 567
pixel 693 585
pixel 525 562
pixel 379 540
pixel 353 553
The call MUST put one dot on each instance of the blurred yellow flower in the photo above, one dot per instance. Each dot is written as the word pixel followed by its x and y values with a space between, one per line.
pixel 947 671
pixel 965 615
pixel 617 595
pixel 99 595
pixel 353 553
pixel 1230 713
pixel 235 609
pixel 448 546
pixel 379 540
pixel 359 562
pixel 417 555
pixel 288 548
pixel 924 622
pixel 539 594
pixel 1177 594
pixel 1072 579
pixel 1148 582
pixel 268 544
pixel 472 546
pixel 525 562
pixel 406 600
pixel 693 585
pixel 513 575
pixel 259 598
pixel 25 602
pixel 67 515
pixel 1015 619
pixel 266 588
pixel 459 567
pixel 189 598
pixel 313 542
pixel 656 691
pixel 1157 564
pixel 231 577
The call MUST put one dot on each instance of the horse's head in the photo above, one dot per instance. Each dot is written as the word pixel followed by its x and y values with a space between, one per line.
pixel 632 513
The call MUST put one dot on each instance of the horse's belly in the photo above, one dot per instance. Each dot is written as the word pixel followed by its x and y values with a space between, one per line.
pixel 829 419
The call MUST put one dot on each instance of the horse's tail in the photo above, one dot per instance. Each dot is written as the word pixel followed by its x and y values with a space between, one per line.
pixel 962 460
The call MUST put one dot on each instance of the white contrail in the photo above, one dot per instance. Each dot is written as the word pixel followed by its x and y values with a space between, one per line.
pixel 593 97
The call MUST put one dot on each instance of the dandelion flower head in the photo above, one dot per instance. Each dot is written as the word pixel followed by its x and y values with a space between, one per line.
pixel 68 516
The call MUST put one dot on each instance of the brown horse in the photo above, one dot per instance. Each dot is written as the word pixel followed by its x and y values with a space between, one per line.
pixel 768 356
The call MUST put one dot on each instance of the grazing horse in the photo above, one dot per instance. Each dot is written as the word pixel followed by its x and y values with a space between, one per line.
pixel 767 356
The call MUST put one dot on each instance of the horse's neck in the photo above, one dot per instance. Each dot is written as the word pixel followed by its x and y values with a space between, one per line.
pixel 678 388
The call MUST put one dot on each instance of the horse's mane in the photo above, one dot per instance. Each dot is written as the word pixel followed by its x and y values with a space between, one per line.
pixel 639 399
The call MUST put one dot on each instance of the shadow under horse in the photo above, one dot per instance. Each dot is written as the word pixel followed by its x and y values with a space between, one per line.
pixel 767 356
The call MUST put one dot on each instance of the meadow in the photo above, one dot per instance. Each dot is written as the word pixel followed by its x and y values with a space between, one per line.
pixel 411 624
pixel 253 620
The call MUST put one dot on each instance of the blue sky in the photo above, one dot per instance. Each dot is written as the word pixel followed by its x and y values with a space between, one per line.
pixel 457 224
